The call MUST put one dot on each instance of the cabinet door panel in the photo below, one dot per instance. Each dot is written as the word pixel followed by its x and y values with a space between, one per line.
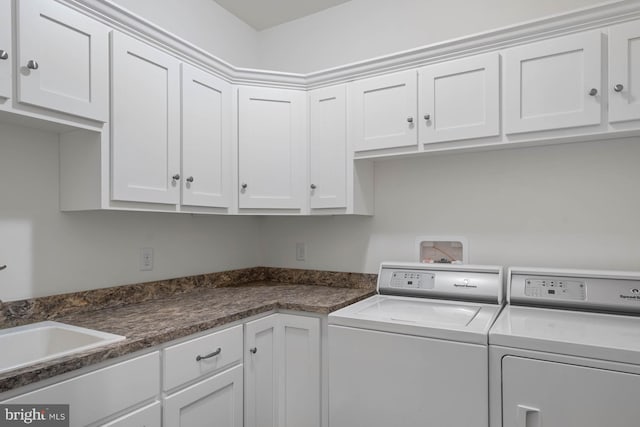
pixel 383 111
pixel 272 137
pixel 300 405
pixel 460 99
pixel 548 84
pixel 206 139
pixel 624 69
pixel 537 392
pixel 328 147
pixel 214 401
pixel 145 123
pixel 5 45
pixel 261 372
pixel 72 54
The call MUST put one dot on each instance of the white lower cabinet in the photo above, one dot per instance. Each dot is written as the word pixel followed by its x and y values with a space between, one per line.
pixel 101 393
pixel 282 372
pixel 214 401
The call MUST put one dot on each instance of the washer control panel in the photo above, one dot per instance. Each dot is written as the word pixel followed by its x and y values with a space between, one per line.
pixel 555 288
pixel 412 279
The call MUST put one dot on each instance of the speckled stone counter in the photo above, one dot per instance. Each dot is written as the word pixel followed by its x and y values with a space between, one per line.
pixel 176 312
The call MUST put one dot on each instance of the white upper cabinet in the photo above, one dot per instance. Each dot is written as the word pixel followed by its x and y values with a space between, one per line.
pixel 459 99
pixel 383 111
pixel 206 139
pixel 145 138
pixel 624 72
pixel 554 84
pixel 63 60
pixel 328 147
pixel 272 134
pixel 6 56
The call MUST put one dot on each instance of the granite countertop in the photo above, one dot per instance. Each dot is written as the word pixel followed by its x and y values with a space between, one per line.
pixel 157 321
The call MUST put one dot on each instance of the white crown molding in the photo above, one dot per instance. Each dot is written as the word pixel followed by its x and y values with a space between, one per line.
pixel 125 21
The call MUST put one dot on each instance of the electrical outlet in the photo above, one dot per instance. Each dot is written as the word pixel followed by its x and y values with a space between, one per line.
pixel 146 259
pixel 301 251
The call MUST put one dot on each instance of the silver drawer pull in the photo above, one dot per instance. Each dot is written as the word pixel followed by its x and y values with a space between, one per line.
pixel 253 350
pixel 215 353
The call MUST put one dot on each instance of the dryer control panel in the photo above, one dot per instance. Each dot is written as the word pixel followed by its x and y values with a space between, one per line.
pixel 557 288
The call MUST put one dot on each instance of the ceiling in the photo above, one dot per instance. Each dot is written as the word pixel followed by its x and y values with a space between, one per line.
pixel 263 14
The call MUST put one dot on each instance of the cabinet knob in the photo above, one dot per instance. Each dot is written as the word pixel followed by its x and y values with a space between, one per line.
pixel 32 65
pixel 176 177
pixel 409 119
pixel 313 186
pixel 244 186
pixel 190 179
pixel 593 92
pixel 427 116
pixel 215 353
pixel 617 88
pixel 4 54
pixel 253 350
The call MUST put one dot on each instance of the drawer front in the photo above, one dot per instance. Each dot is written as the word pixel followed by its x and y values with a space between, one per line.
pixel 216 351
pixel 148 416
pixel 101 393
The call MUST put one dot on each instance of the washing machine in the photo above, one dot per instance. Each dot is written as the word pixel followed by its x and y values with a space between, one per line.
pixel 415 354
pixel 565 351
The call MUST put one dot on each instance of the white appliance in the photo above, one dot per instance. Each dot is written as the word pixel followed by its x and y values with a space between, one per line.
pixel 566 350
pixel 416 353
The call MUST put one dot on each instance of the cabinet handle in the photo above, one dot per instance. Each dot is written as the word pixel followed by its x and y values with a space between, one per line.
pixel 409 119
pixel 190 179
pixel 593 92
pixel 4 54
pixel 32 65
pixel 253 350
pixel 313 186
pixel 215 353
pixel 176 177
pixel 617 88
pixel 2 267
pixel 427 116
pixel 244 185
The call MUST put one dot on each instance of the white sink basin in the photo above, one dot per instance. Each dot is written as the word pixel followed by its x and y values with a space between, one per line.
pixel 38 342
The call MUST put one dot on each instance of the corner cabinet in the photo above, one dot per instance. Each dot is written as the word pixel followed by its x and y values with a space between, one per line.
pixel 145 129
pixel 282 372
pixel 6 50
pixel 272 141
pixel 62 59
pixel 554 84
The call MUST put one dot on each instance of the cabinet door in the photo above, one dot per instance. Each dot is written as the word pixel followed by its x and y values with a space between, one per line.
pixel 6 52
pixel 624 72
pixel 459 99
pixel 540 393
pixel 328 147
pixel 145 131
pixel 272 140
pixel 300 371
pixel 206 139
pixel 146 416
pixel 261 372
pixel 384 111
pixel 214 401
pixel 63 60
pixel 553 84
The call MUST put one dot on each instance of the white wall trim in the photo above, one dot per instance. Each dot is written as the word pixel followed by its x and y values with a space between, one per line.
pixel 595 17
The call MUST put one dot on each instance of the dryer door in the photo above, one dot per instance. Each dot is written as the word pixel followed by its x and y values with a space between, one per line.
pixel 537 393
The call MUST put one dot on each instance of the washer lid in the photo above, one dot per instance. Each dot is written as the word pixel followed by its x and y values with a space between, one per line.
pixel 584 334
pixel 442 319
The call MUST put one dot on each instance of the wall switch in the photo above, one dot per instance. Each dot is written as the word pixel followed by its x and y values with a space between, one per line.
pixel 301 251
pixel 146 259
